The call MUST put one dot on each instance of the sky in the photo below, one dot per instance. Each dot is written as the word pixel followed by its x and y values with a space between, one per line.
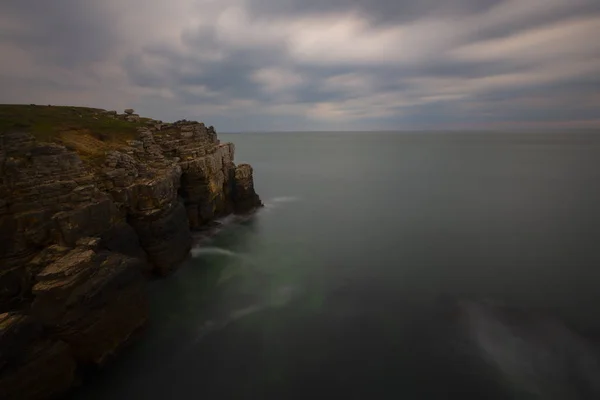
pixel 288 65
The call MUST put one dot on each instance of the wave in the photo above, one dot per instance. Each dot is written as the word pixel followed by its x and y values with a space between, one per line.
pixel 285 199
pixel 212 326
pixel 277 201
pixel 228 219
pixel 200 251
pixel 281 296
pixel 533 353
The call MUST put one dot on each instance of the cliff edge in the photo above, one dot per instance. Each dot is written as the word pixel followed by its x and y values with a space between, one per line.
pixel 92 202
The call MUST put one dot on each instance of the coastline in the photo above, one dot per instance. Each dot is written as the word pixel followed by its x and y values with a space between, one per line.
pixel 88 212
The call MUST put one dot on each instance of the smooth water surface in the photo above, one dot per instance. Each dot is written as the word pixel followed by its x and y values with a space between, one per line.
pixel 331 290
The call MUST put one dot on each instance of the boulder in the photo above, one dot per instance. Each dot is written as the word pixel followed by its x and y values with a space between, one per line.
pixel 132 118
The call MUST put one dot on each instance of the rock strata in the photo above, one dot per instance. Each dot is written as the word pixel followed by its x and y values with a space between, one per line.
pixel 80 233
pixel 244 196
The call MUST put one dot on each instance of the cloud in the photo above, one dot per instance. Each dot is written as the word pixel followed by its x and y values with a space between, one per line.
pixel 565 39
pixel 306 64
pixel 274 80
pixel 380 11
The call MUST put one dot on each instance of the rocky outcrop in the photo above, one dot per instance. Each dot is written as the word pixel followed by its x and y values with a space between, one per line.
pixel 244 196
pixel 80 232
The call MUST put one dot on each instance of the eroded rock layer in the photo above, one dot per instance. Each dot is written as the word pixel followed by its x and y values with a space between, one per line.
pixel 80 231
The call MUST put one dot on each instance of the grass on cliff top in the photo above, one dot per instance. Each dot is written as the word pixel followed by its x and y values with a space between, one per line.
pixel 46 123
pixel 89 131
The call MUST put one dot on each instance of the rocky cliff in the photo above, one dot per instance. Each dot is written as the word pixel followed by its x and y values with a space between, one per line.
pixel 85 217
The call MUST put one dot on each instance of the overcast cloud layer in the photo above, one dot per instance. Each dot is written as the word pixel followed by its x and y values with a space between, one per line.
pixel 246 65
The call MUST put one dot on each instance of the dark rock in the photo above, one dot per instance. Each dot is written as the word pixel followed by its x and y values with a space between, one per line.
pixel 32 367
pixel 244 197
pixel 91 301
pixel 123 239
pixel 17 331
pixel 129 111
pixel 88 220
pixel 165 237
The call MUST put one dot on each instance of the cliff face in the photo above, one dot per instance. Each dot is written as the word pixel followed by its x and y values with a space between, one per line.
pixel 82 222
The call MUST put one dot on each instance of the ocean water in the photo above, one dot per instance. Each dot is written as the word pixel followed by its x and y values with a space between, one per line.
pixel 383 266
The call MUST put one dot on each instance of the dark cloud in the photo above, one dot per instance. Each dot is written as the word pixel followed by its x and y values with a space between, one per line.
pixel 227 78
pixel 144 73
pixel 544 16
pixel 62 32
pixel 379 10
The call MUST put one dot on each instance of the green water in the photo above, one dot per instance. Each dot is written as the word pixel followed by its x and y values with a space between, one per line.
pixel 331 288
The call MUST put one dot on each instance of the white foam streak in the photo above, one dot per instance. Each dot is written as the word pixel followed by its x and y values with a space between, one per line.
pixel 275 202
pixel 200 251
pixel 285 199
pixel 282 296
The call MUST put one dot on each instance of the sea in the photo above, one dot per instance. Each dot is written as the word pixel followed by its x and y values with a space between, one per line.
pixel 386 265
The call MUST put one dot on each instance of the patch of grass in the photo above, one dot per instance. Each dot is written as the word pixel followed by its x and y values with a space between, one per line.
pixel 48 123
pixel 89 148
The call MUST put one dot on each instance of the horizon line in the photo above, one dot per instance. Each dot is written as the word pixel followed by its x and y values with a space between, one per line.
pixel 449 130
